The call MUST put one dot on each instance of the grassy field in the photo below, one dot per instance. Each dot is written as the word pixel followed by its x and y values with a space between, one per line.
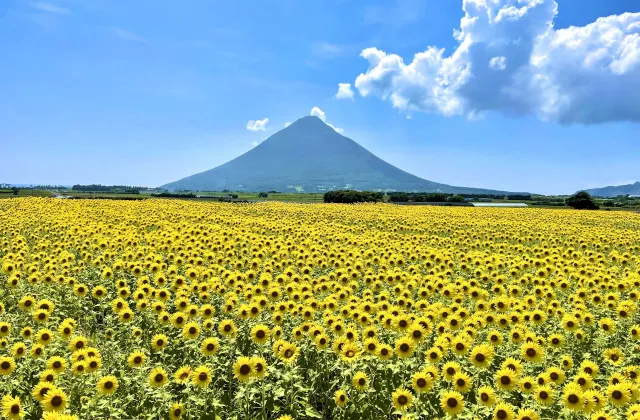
pixel 6 193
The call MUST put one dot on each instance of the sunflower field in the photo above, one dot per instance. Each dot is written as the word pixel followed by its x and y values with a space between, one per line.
pixel 173 309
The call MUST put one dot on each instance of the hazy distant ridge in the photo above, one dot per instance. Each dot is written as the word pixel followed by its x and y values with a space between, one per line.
pixel 613 191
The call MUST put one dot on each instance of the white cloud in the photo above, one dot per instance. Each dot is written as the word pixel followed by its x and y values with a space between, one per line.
pixel 50 8
pixel 258 125
pixel 511 60
pixel 317 112
pixel 255 143
pixel 344 91
pixel 326 50
pixel 287 124
pixel 498 63
pixel 127 35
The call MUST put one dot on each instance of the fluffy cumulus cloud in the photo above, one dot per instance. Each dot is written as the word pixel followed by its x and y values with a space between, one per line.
pixel 257 125
pixel 510 59
pixel 344 91
pixel 317 112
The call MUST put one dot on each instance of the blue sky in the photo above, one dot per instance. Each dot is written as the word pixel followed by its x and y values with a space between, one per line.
pixel 146 92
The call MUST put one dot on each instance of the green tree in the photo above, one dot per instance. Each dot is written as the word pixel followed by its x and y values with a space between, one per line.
pixel 15 190
pixel 456 199
pixel 582 200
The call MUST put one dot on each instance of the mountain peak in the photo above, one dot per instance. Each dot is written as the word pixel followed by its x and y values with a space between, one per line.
pixel 309 155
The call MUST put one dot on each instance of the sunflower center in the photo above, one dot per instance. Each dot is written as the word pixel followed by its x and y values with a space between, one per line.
pixel 193 330
pixel 452 402
pixel 210 347
pixel 480 357
pixel 260 334
pixel 56 365
pixel 159 377
pixel 108 385
pixel 56 401
pixel 202 376
pixel 543 395
pixel 484 397
pixel 505 380
pixel 554 376
pixel 501 414
pixel 403 400
pixel 361 381
pixel 459 346
pixel 451 371
pixel 137 360
pixel 616 394
pixel 404 347
pixel 573 399
pixel 531 352
pixel 460 382
pixel 246 369
pixel 15 409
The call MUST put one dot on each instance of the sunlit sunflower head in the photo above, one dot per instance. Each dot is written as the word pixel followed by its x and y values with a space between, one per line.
pixel 209 346
pixel 159 342
pixel 452 403
pixel 176 411
pixel 40 390
pixel 572 397
pixel 107 385
pixel 450 369
pixel 506 379
pixel 227 328
pixel 243 369
pixel 341 398
pixel 182 375
pixel 360 381
pixel 532 352
pixel 19 350
pixel 618 394
pixel 54 400
pixel 157 377
pixel 422 382
pixel 201 376
pixel 350 352
pixel 486 396
pixel 260 334
pixel 48 375
pixel 482 356
pixel 544 395
pixel 402 399
pixel 503 411
pixel 136 359
pixel 260 367
pixel 405 347
pixel 12 408
pixel 57 364
pixel 462 382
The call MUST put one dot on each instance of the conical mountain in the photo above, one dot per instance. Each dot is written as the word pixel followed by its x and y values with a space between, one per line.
pixel 310 156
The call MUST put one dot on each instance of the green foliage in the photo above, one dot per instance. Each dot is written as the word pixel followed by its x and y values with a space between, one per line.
pixel 351 196
pixel 582 200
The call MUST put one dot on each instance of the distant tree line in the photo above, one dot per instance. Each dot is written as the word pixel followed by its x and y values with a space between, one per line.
pixel 351 196
pixel 107 188
pixel 173 195
pixel 422 197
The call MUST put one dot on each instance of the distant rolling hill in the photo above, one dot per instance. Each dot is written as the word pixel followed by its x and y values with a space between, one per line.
pixel 613 191
pixel 310 156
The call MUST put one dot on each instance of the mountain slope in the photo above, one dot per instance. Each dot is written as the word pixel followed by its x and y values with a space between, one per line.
pixel 613 191
pixel 312 156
